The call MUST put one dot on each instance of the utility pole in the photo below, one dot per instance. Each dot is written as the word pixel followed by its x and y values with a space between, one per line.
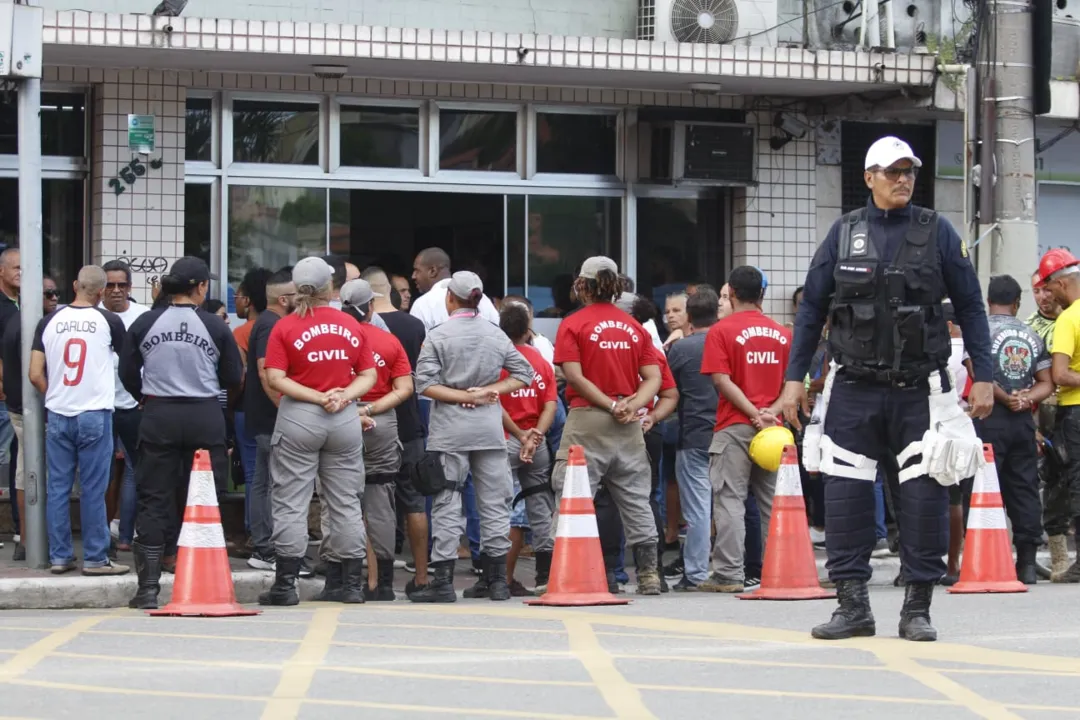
pixel 1009 85
pixel 21 36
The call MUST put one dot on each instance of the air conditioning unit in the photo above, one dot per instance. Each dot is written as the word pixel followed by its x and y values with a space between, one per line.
pixel 698 153
pixel 707 21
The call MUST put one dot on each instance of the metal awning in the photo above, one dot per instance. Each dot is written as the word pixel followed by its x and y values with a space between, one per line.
pixel 94 39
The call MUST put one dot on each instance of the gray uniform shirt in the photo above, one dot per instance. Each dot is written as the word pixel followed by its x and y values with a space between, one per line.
pixel 467 351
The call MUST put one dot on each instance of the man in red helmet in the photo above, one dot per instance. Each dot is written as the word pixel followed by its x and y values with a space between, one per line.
pixel 1059 273
pixel 879 277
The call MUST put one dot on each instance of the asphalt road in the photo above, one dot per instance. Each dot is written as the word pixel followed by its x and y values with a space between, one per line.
pixel 685 656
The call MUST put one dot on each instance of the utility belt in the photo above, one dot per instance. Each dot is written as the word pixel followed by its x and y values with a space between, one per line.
pixel 429 477
pixel 886 376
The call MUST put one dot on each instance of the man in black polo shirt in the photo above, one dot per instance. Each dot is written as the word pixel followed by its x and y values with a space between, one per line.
pixel 10 282
pixel 260 409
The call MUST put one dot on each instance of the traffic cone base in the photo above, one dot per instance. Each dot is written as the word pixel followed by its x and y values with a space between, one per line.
pixel 577 575
pixel 987 565
pixel 203 583
pixel 789 571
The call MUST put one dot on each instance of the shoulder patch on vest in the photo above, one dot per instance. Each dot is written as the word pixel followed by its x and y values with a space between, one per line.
pixel 963 248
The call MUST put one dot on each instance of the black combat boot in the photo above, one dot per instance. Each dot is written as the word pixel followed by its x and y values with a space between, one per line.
pixel 384 591
pixel 283 591
pixel 543 571
pixel 331 591
pixel 853 618
pixel 610 563
pixel 440 587
pixel 648 571
pixel 1027 570
pixel 497 586
pixel 148 567
pixel 481 589
pixel 915 615
pixel 352 581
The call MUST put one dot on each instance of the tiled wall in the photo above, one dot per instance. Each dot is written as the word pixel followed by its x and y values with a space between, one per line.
pixel 600 18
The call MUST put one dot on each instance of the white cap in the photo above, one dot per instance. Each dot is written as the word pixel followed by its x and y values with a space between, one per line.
pixel 889 150
pixel 312 272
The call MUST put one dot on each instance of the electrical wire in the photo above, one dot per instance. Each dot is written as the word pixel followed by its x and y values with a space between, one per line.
pixel 797 18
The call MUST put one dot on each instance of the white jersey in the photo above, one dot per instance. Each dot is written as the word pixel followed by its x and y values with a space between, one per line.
pixel 124 401
pixel 430 308
pixel 79 343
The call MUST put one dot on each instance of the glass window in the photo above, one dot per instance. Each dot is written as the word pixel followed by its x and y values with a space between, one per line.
pixel 286 133
pixel 272 227
pixel 470 140
pixel 380 137
pixel 578 144
pixel 198 219
pixel 63 125
pixel 563 231
pixel 62 227
pixel 679 242
pixel 199 129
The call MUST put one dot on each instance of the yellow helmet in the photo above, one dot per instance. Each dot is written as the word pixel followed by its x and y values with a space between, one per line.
pixel 767 447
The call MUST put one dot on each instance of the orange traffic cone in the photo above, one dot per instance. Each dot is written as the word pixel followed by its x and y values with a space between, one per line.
pixel 203 584
pixel 577 565
pixel 987 565
pixel 789 571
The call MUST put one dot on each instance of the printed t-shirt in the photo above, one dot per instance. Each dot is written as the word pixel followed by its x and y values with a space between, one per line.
pixel 525 405
pixel 611 347
pixel 78 344
pixel 753 351
pixel 390 360
pixel 1017 351
pixel 322 351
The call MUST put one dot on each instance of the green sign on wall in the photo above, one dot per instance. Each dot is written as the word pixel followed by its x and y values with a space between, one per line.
pixel 141 133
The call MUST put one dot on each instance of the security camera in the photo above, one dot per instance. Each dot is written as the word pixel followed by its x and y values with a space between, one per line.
pixel 791 125
pixel 329 72
pixel 522 52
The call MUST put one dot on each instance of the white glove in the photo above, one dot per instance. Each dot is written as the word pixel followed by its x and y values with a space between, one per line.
pixel 951 449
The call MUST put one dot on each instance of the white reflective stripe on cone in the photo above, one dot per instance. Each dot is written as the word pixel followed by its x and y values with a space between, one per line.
pixel 201 536
pixel 986 519
pixel 788 482
pixel 202 491
pixel 577 526
pixel 986 480
pixel 576 484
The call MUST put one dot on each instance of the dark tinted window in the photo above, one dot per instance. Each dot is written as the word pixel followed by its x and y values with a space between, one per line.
pixel 275 132
pixel 380 137
pixel 857 137
pixel 63 125
pixel 197 220
pixel 580 144
pixel 199 129
pixel 471 140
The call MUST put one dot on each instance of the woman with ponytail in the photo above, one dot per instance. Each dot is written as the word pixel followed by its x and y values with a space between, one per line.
pixel 459 368
pixel 611 374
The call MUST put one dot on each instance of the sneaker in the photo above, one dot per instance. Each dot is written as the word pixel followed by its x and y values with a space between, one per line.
pixel 817 537
pixel 306 570
pixel 948 580
pixel 261 562
pixel 109 568
pixel 675 568
pixel 410 567
pixel 20 553
pixel 718 584
pixel 684 585
pixel 621 577
pixel 881 549
pixel 114 529
pixel 61 568
pixel 399 564
pixel 752 583
pixel 518 590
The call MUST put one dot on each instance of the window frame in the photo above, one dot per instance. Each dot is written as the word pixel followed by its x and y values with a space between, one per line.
pixel 435 108
pixel 572 180
pixel 320 101
pixel 339 102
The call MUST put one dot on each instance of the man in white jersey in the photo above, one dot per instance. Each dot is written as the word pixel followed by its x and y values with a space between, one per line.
pixel 72 366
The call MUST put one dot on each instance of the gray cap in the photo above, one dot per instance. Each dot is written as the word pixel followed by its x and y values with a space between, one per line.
pixel 625 302
pixel 464 282
pixel 594 265
pixel 312 271
pixel 357 292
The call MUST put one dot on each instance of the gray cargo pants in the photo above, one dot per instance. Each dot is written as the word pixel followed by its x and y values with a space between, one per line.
pixel 310 444
pixel 491 479
pixel 614 453
pixel 534 479
pixel 382 460
pixel 733 474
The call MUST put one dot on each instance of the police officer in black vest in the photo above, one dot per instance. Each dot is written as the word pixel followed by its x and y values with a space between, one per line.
pixel 880 277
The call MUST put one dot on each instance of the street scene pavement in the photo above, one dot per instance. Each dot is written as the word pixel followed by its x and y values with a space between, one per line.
pixel 675 656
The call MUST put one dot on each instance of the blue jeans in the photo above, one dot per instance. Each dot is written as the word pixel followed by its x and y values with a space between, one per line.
pixel 695 495
pixel 84 441
pixel 879 507
pixel 126 425
pixel 7 434
pixel 245 445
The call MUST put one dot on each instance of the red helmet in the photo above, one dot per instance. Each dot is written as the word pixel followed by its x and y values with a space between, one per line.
pixel 1053 261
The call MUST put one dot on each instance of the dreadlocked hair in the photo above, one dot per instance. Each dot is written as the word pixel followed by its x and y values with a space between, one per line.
pixel 606 287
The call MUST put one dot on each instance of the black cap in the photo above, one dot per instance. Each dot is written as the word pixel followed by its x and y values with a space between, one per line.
pixel 191 271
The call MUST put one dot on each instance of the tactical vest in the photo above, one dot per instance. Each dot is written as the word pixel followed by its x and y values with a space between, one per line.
pixel 888 316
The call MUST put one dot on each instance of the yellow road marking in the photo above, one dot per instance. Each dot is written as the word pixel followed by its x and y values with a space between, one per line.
pixel 618 693
pixel 892 699
pixel 25 660
pixel 894 658
pixel 743 661
pixel 447 648
pixel 299 671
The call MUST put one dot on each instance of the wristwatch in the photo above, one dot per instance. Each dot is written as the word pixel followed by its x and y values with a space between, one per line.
pixel 366 409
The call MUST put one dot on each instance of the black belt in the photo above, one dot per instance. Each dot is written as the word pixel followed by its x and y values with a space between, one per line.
pixel 886 377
